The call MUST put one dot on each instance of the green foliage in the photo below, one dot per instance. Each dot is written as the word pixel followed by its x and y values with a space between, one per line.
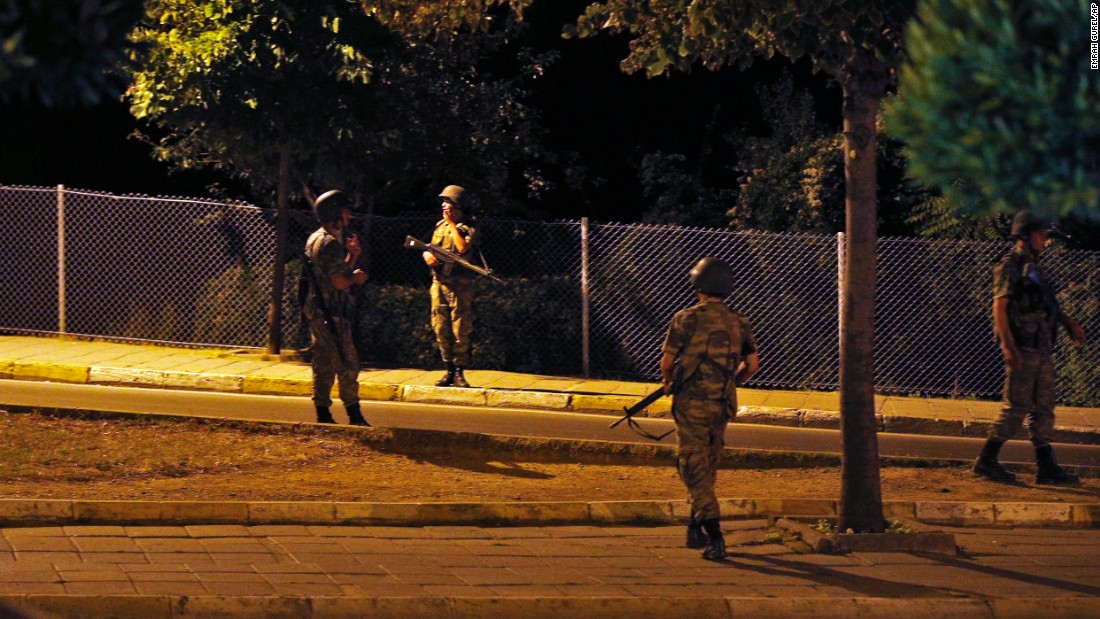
pixel 672 35
pixel 528 325
pixel 394 326
pixel 64 53
pixel 677 196
pixel 376 111
pixel 233 305
pixel 163 326
pixel 523 325
pixel 938 217
pixel 792 178
pixel 998 105
pixel 1077 366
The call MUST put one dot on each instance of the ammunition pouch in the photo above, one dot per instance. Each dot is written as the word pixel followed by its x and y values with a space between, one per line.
pixel 1033 330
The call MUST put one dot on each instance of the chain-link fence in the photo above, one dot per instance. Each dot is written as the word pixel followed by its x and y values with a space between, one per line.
pixel 199 272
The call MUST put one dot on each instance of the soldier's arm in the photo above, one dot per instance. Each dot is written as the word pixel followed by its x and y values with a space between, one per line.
pixel 1076 331
pixel 750 353
pixel 749 366
pixel 668 360
pixel 332 260
pixel 1002 327
pixel 342 281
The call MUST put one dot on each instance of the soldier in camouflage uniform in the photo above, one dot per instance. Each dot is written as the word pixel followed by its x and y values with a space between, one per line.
pixel 452 288
pixel 1026 316
pixel 334 257
pixel 709 350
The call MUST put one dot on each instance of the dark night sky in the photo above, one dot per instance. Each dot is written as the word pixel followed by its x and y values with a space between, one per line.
pixel 588 106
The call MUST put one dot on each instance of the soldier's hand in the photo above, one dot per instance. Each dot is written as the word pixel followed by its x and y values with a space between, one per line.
pixel 1077 332
pixel 430 258
pixel 667 386
pixel 1013 358
pixel 353 247
pixel 359 275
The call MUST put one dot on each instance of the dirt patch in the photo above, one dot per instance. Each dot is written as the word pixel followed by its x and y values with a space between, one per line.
pixel 147 459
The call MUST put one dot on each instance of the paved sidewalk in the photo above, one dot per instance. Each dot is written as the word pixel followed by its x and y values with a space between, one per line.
pixel 571 571
pixel 78 361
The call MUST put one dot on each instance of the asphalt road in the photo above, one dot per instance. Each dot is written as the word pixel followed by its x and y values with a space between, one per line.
pixel 500 421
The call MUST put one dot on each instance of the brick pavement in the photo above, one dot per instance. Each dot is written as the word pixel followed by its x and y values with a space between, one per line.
pixel 254 567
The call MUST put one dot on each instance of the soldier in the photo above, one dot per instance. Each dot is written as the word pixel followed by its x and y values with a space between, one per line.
pixel 452 288
pixel 331 315
pixel 1025 319
pixel 709 350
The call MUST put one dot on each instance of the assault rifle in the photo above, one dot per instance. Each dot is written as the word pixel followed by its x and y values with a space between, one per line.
pixel 657 394
pixel 448 256
pixel 307 267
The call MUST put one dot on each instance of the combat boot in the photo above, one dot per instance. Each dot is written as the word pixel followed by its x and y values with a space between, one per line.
pixel 696 538
pixel 448 379
pixel 1049 472
pixel 355 416
pixel 715 548
pixel 324 415
pixel 460 378
pixel 987 465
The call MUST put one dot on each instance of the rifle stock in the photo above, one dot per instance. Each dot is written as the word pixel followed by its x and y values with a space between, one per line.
pixel 638 407
pixel 447 256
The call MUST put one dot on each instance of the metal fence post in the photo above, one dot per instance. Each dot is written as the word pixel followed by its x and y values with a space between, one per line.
pixel 840 284
pixel 585 358
pixel 61 259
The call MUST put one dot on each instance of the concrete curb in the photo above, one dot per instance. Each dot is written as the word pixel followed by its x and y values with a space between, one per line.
pixel 304 607
pixel 64 512
pixel 504 398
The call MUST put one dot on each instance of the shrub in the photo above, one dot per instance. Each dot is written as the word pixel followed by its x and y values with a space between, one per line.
pixel 523 325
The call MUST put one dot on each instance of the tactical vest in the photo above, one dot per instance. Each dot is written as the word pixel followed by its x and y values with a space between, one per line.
pixel 443 237
pixel 1029 306
pixel 340 303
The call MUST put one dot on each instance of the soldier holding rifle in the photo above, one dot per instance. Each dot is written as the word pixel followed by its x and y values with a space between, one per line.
pixel 708 351
pixel 452 287
pixel 330 308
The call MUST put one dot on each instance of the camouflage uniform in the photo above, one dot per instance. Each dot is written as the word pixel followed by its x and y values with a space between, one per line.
pixel 453 296
pixel 1029 392
pixel 327 253
pixel 710 340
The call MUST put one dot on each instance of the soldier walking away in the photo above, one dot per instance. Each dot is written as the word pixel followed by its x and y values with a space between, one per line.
pixel 708 351
pixel 330 308
pixel 452 288
pixel 1026 316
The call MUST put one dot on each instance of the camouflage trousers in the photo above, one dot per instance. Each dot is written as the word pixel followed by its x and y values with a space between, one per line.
pixel 328 366
pixel 700 429
pixel 453 320
pixel 1029 396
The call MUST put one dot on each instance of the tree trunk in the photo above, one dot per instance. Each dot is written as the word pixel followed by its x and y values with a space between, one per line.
pixel 278 277
pixel 860 489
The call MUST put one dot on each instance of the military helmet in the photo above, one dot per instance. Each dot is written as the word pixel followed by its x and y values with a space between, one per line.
pixel 712 276
pixel 453 193
pixel 1024 223
pixel 330 205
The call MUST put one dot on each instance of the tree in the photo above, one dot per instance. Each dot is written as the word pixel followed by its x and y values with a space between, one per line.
pixel 997 104
pixel 64 53
pixel 247 86
pixel 320 92
pixel 857 43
